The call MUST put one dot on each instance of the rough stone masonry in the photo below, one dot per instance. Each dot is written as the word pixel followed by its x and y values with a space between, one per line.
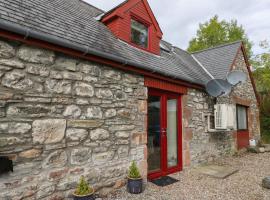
pixel 61 118
pixel 200 145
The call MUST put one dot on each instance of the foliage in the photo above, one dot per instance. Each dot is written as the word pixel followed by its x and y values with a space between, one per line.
pixel 83 188
pixel 215 32
pixel 266 138
pixel 261 64
pixel 134 171
pixel 265 128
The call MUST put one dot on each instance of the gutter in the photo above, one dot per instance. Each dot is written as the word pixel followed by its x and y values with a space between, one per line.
pixel 61 42
pixel 29 33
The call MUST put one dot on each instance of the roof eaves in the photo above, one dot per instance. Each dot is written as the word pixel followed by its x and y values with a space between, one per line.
pixel 30 33
pixel 113 9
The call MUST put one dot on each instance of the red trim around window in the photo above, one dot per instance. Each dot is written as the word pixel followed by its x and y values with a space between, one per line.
pixel 119 22
pixel 242 134
pixel 247 110
pixel 148 24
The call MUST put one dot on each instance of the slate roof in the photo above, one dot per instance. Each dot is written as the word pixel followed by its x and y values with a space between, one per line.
pixel 165 46
pixel 218 60
pixel 74 21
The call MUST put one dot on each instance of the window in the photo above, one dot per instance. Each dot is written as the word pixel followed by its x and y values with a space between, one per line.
pixel 242 118
pixel 139 34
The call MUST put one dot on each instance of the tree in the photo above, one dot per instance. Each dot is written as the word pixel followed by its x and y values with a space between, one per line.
pixel 215 32
pixel 261 63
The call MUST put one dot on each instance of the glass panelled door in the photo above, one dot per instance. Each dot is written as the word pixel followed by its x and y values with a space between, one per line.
pixel 172 129
pixel 164 133
pixel 154 127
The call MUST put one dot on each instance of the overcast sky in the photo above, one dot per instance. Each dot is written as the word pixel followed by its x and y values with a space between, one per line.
pixel 179 19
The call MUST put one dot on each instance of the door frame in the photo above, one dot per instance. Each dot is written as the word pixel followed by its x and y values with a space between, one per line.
pixel 165 170
pixel 242 134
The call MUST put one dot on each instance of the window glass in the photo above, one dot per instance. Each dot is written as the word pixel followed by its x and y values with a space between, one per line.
pixel 153 142
pixel 172 126
pixel 139 34
pixel 242 118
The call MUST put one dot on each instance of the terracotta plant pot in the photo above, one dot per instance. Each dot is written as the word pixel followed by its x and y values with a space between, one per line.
pixel 84 197
pixel 134 185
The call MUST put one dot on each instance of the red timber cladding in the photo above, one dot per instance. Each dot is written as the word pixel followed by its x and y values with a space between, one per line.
pixel 113 26
pixel 163 85
pixel 119 22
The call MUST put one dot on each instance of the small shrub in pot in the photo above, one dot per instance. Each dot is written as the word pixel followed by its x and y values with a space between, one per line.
pixel 135 181
pixel 83 191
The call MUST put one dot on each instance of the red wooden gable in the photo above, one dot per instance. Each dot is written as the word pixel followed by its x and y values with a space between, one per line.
pixel 118 21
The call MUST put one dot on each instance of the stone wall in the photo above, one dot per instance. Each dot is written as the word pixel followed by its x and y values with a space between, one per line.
pixel 61 118
pixel 244 94
pixel 200 146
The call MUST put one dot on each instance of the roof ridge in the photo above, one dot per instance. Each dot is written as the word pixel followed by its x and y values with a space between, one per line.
pixel 166 41
pixel 176 47
pixel 173 46
pixel 216 47
pixel 182 49
pixel 113 8
pixel 85 2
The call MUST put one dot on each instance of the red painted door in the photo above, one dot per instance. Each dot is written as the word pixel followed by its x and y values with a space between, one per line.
pixel 164 133
pixel 242 127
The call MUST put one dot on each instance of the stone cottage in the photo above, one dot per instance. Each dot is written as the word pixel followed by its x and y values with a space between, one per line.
pixel 85 92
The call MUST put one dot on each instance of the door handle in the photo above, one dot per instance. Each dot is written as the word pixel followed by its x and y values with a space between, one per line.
pixel 163 131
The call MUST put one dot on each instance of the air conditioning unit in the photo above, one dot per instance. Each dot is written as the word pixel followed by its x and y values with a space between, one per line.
pixel 225 117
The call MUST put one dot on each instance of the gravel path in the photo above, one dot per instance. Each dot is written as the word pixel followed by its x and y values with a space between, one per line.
pixel 244 185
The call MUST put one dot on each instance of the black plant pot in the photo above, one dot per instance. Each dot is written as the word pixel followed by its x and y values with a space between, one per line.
pixel 84 197
pixel 134 186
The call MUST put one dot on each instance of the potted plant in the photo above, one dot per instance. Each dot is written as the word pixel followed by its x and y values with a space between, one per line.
pixel 83 191
pixel 135 181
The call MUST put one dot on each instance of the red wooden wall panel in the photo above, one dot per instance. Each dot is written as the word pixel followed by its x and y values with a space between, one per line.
pixel 163 85
pixel 119 22
pixel 242 139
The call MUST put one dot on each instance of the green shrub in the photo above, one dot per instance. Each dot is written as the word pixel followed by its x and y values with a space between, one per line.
pixel 83 188
pixel 134 171
pixel 266 137
pixel 265 128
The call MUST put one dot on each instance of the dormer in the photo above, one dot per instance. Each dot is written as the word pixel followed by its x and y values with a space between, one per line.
pixel 134 22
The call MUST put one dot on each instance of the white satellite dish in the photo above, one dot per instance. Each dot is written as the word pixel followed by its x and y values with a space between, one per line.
pixel 218 87
pixel 235 77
